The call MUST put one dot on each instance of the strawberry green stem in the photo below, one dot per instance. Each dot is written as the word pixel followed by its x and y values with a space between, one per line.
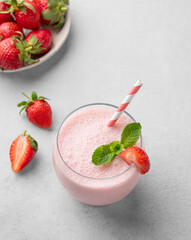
pixel 27 97
pixel 63 9
pixel 28 48
pixel 14 3
pixel 24 132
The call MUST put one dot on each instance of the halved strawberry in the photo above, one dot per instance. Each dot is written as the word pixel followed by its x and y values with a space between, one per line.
pixel 22 151
pixel 137 156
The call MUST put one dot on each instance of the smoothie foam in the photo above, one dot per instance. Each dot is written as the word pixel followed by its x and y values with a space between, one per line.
pixel 82 134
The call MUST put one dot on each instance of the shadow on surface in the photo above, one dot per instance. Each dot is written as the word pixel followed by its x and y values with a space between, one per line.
pixel 127 212
pixel 30 167
pixel 128 217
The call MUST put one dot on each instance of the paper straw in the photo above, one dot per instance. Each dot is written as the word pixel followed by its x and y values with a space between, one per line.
pixel 125 103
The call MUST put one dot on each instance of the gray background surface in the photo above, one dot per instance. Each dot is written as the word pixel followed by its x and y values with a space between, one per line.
pixel 110 46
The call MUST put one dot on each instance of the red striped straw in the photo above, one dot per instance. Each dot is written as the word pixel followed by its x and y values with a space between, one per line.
pixel 125 103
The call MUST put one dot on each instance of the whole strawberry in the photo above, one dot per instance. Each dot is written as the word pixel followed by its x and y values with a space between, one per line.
pixel 14 53
pixel 53 11
pixel 5 17
pixel 29 19
pixel 38 110
pixel 42 5
pixel 9 55
pixel 22 151
pixel 25 12
pixel 40 40
pixel 8 29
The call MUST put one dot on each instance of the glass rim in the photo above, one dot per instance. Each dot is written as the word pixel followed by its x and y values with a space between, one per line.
pixel 70 114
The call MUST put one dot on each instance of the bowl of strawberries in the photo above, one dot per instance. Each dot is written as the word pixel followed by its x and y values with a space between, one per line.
pixel 31 31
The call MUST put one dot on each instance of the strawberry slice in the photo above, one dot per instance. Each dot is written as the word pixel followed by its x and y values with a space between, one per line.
pixel 137 156
pixel 22 151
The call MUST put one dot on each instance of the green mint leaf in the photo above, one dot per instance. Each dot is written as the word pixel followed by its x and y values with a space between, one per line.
pixel 130 134
pixel 102 155
pixel 116 147
pixel 106 153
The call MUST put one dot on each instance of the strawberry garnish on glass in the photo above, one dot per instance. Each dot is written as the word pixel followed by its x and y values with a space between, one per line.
pixel 125 149
pixel 38 110
pixel 137 156
pixel 22 151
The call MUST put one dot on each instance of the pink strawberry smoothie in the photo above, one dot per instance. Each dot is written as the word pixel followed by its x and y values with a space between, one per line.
pixel 80 134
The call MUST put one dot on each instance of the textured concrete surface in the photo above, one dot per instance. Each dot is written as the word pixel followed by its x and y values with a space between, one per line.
pixel 110 46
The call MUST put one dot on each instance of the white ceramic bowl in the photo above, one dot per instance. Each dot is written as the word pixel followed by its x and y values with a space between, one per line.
pixel 59 36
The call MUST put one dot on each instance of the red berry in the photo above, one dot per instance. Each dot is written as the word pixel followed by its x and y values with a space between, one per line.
pixel 42 4
pixel 53 12
pixel 44 37
pixel 15 52
pixel 137 156
pixel 38 110
pixel 8 29
pixel 9 55
pixel 30 20
pixel 5 17
pixel 40 113
pixel 22 151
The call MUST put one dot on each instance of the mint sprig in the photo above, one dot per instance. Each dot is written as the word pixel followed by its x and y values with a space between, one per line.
pixel 106 153
pixel 130 134
pixel 116 147
pixel 103 154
